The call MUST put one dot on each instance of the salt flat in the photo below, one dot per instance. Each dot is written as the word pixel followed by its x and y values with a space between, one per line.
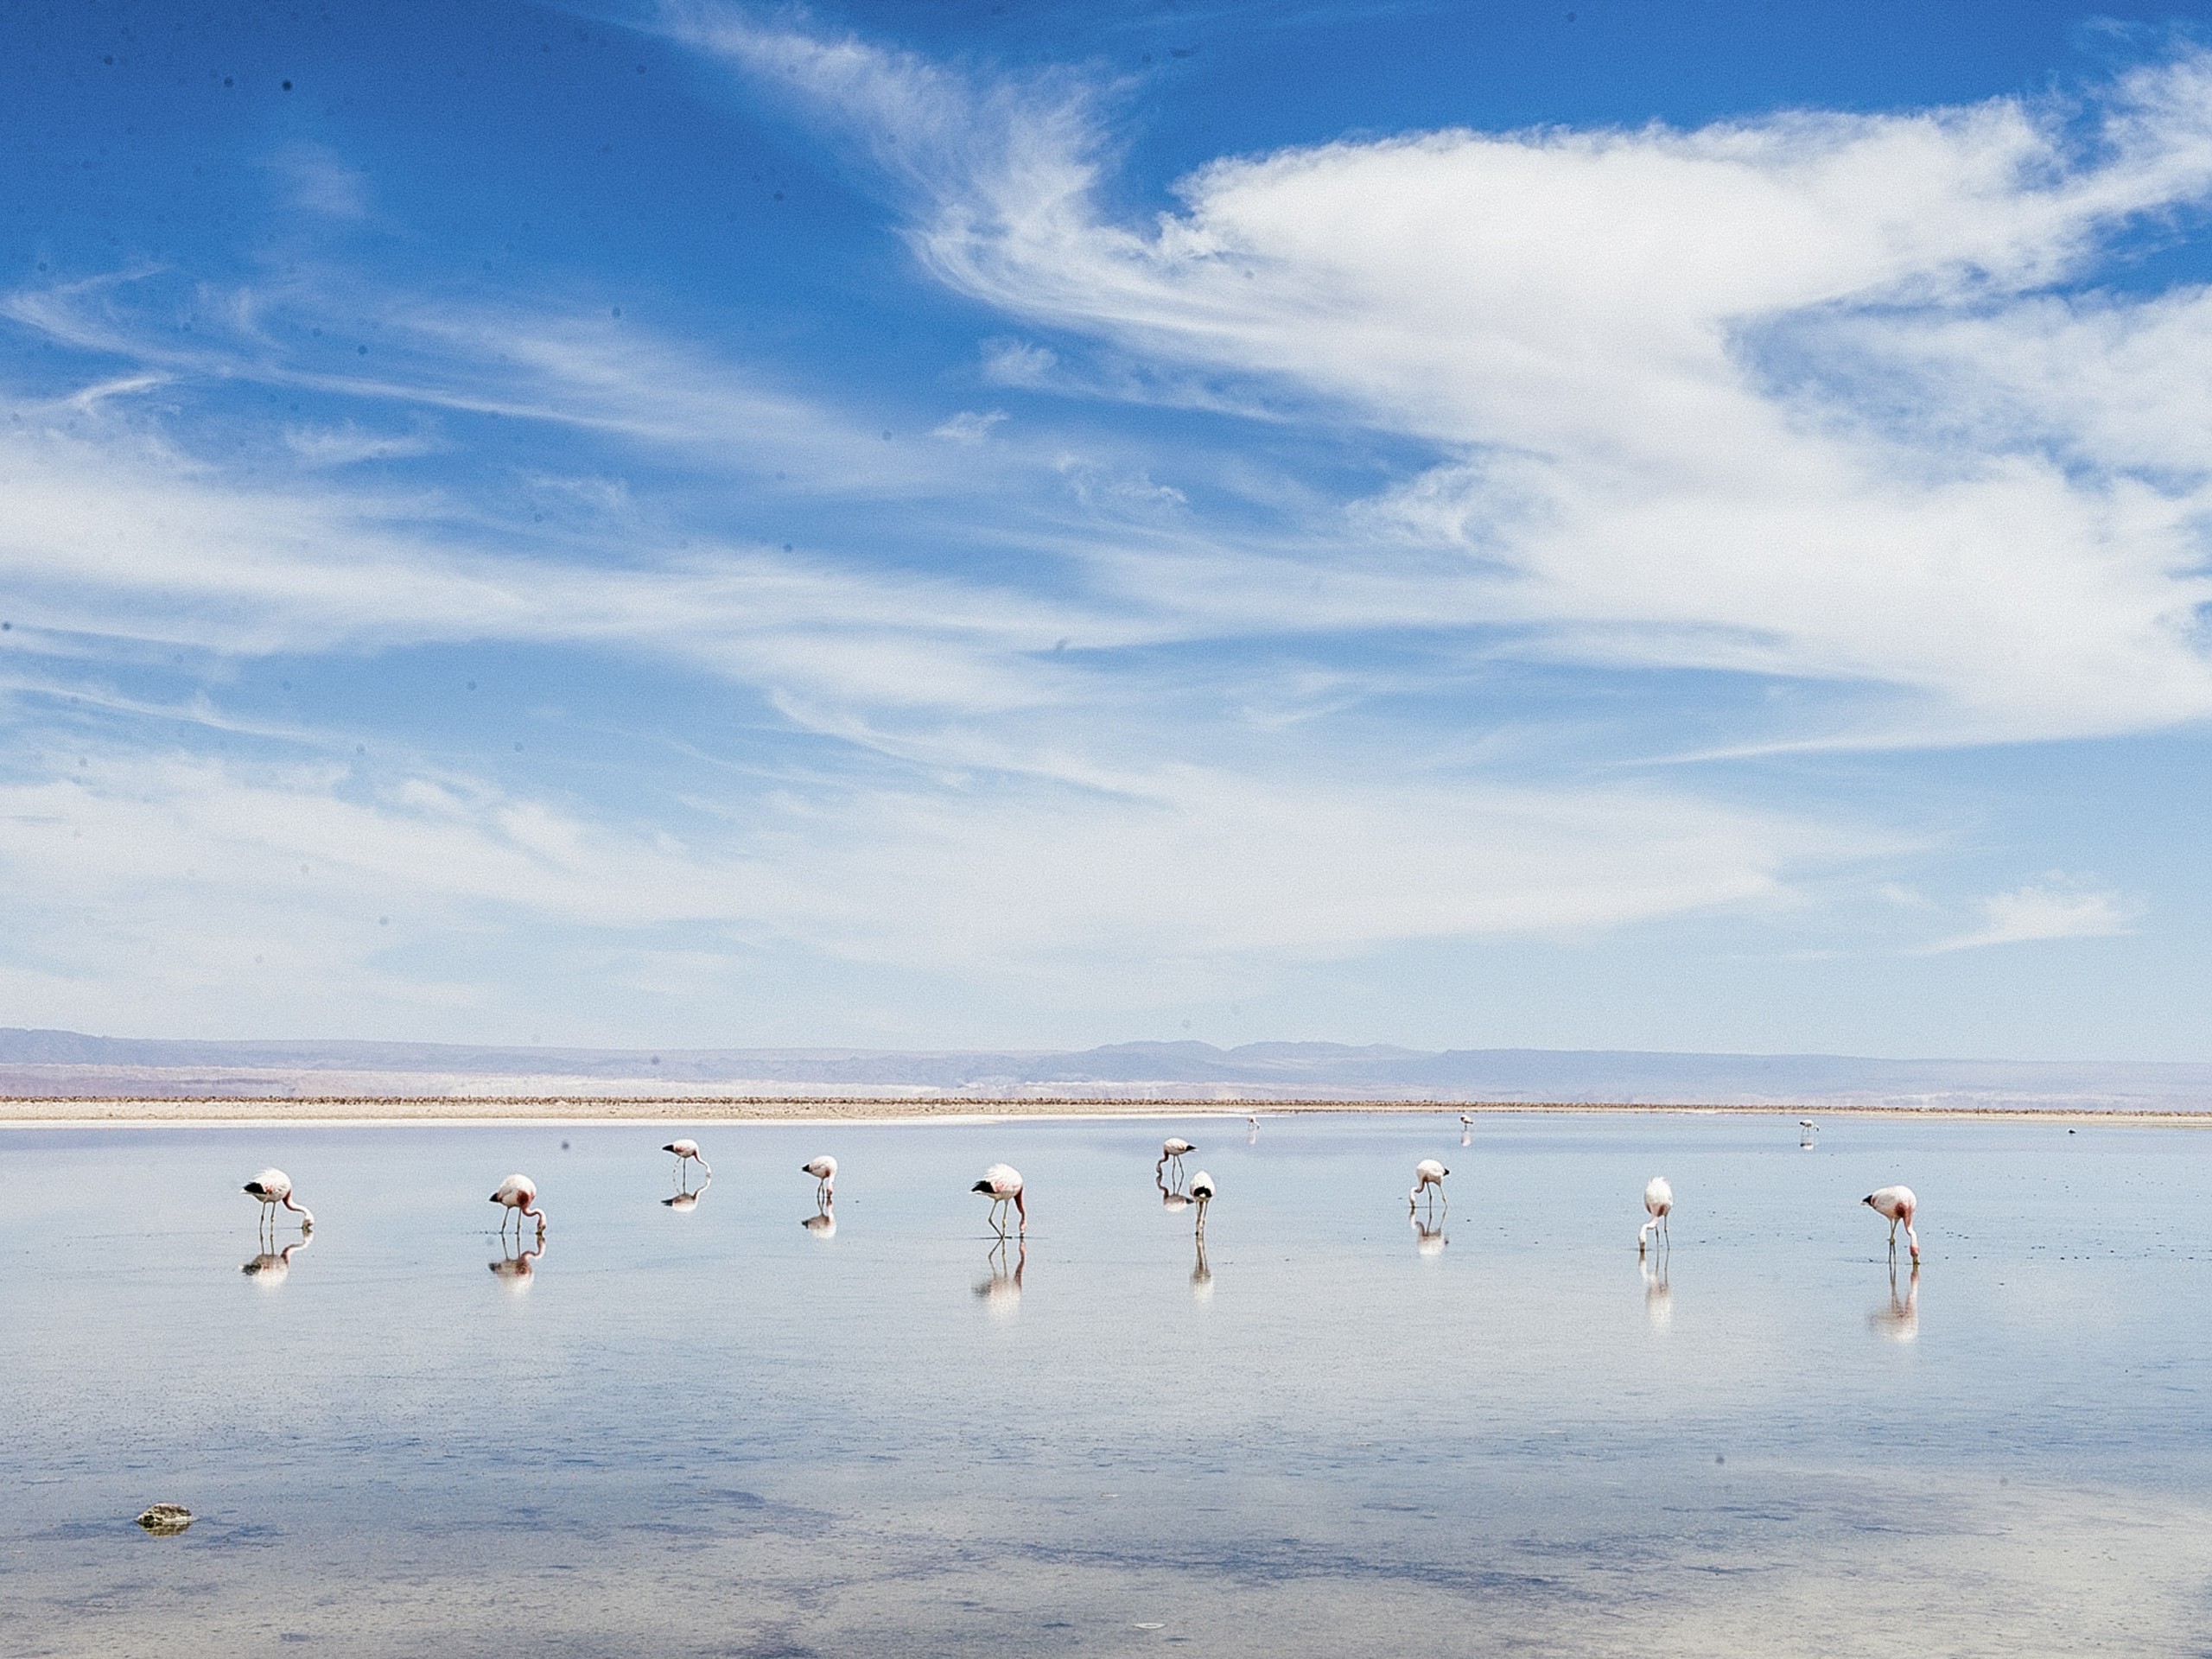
pixel 713 1430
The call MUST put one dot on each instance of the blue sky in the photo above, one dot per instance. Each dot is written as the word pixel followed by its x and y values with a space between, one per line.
pixel 1591 525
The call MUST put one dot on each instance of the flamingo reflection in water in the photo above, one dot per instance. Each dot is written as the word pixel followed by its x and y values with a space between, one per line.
pixel 823 1224
pixel 1900 1320
pixel 1428 1234
pixel 516 1270
pixel 1171 1197
pixel 271 1267
pixel 1001 1292
pixel 1201 1272
pixel 686 1199
pixel 1658 1295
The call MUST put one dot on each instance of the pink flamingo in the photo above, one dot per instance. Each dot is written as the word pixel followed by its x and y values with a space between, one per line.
pixel 1428 1174
pixel 825 1171
pixel 1170 1152
pixel 519 1194
pixel 273 1187
pixel 1003 1184
pixel 1658 1204
pixel 689 1150
pixel 1897 1204
pixel 1202 1191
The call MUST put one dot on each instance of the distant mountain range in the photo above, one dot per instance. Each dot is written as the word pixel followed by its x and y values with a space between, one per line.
pixel 64 1063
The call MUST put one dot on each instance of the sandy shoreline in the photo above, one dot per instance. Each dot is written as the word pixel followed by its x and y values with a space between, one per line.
pixel 81 1111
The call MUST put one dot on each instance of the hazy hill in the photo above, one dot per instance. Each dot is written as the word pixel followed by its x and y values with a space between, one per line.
pixel 69 1063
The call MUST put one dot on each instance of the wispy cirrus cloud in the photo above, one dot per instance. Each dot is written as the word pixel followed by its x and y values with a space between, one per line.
pixel 2054 910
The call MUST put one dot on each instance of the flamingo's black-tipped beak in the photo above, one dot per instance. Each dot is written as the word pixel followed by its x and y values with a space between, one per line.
pixel 981 1187
pixel 1868 1200
pixel 668 1148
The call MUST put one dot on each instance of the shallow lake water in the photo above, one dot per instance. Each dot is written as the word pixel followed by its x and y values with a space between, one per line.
pixel 712 1429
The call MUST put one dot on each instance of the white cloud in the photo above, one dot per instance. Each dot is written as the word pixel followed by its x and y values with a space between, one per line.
pixel 1660 365
pixel 345 444
pixel 1132 890
pixel 2038 912
pixel 969 427
pixel 319 182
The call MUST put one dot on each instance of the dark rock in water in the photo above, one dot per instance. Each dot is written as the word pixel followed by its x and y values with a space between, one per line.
pixel 166 1520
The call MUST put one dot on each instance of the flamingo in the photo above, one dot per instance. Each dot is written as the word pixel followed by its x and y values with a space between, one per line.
pixel 825 1171
pixel 1897 1204
pixel 519 1194
pixel 1253 1124
pixel 1170 1152
pixel 688 1151
pixel 273 1187
pixel 1658 1204
pixel 1428 1174
pixel 1466 1130
pixel 1202 1195
pixel 1003 1184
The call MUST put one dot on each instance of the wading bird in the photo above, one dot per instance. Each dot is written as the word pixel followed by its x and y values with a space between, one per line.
pixel 1170 1152
pixel 1002 1182
pixel 1897 1204
pixel 1466 1130
pixel 1428 1174
pixel 273 1187
pixel 519 1194
pixel 688 1151
pixel 1252 1123
pixel 1658 1204
pixel 825 1171
pixel 1202 1195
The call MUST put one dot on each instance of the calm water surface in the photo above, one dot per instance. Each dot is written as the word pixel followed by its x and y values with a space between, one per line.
pixel 714 1430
